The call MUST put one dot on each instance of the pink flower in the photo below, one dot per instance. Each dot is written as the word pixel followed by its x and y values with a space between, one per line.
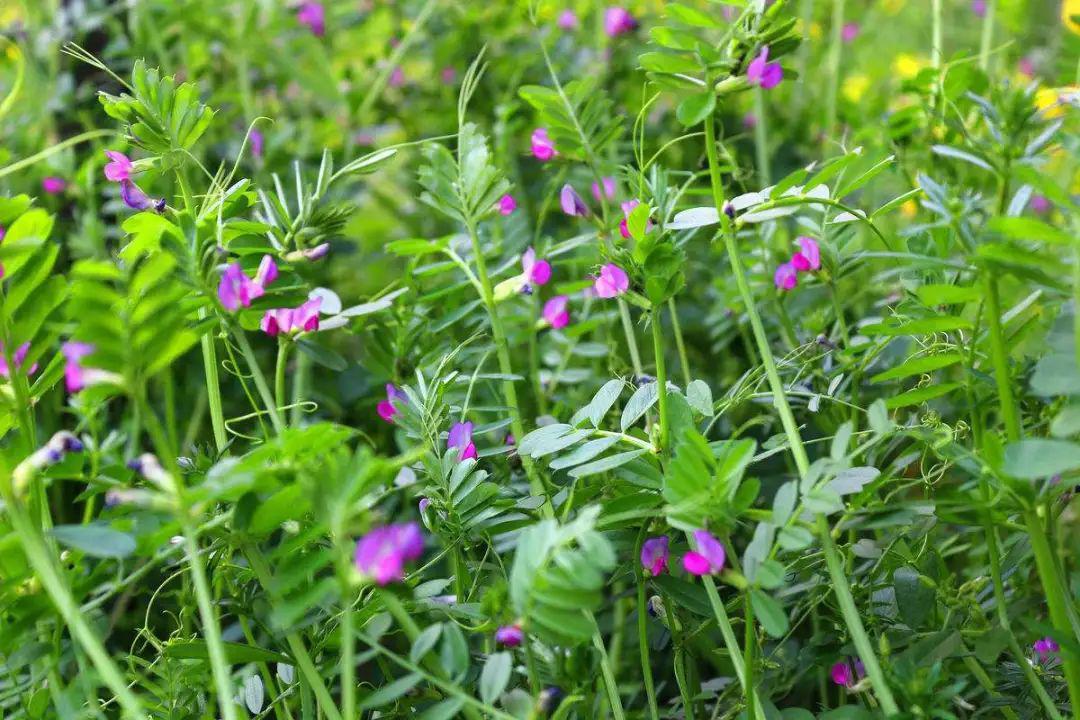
pixel 1045 648
pixel 842 674
pixel 764 73
pixel 313 15
pixel 136 199
pixel 978 7
pixel 618 21
pixel 536 272
pixel 567 20
pixel 543 149
pixel 257 141
pixel 555 312
pixel 571 202
pixel 53 185
pixel 386 408
pixel 397 77
pixel 612 281
pixel 608 189
pixel 448 75
pixel 709 558
pixel 18 358
pixel 291 321
pixel 749 121
pixel 786 276
pixel 1026 66
pixel 1039 204
pixel 74 374
pixel 809 256
pixel 507 204
pixel 654 555
pixel 849 32
pixel 510 635
pixel 383 552
pixel 460 437
pixel 119 168
pixel 236 288
pixel 627 208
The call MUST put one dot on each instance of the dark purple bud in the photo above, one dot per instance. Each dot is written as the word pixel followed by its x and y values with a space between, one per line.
pixel 52 455
pixel 729 210
pixel 549 698
pixel 643 380
pixel 72 444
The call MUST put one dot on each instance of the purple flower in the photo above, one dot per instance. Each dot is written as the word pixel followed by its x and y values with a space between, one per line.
pixel 75 377
pixel 618 21
pixel 136 199
pixel 1039 204
pixel 119 168
pixel 313 15
pixel 448 75
pixel 749 121
pixel 842 674
pixel 423 505
pixel 1045 648
pixel 567 20
pixel 1026 66
pixel 709 558
pixel 383 552
pixel 510 635
pixel 555 312
pixel 764 73
pixel 510 439
pixel 543 149
pixel 236 288
pixel 978 7
pixel 809 256
pixel 536 272
pixel 571 202
pixel 849 32
pixel 612 281
pixel 460 437
pixel 507 204
pixel 786 276
pixel 257 141
pixel 18 358
pixel 53 185
pixel 654 555
pixel 608 189
pixel 386 408
pixel 397 77
pixel 291 321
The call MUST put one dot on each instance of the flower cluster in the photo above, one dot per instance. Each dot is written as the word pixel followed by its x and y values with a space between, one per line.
pixel 806 259
pixel 708 559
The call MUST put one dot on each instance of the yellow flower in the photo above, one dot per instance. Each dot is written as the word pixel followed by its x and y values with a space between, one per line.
pixel 907 65
pixel 815 31
pixel 854 87
pixel 892 7
pixel 909 209
pixel 1068 9
pixel 1051 100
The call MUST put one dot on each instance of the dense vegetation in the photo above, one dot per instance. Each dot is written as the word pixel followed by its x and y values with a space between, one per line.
pixel 539 358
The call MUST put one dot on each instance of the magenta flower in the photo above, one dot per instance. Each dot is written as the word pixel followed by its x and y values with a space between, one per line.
pixel 510 439
pixel 849 32
pixel 1039 204
pixel 397 77
pixel 136 199
pixel 618 21
pixel 612 281
pixel 1045 649
pixel 571 202
pixel 18 358
pixel 507 204
pixel 1026 66
pixel 54 185
pixel 749 121
pixel 654 555
pixel 448 75
pixel 764 73
pixel 460 437
pixel 555 312
pixel 423 505
pixel 709 558
pixel 74 375
pixel 543 149
pixel 383 552
pixel 809 256
pixel 386 408
pixel 536 272
pixel 257 141
pixel 292 321
pixel 786 276
pixel 119 168
pixel 313 15
pixel 510 635
pixel 978 7
pixel 236 288
pixel 608 189
pixel 567 20
pixel 842 674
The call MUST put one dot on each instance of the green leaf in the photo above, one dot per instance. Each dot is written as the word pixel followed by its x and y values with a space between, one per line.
pixel 1027 228
pixel 918 366
pixel 769 613
pixel 922 326
pixel 914 598
pixel 235 653
pixel 1038 458
pixel 933 295
pixel 694 109
pixel 390 692
pixel 604 464
pixel 495 676
pixel 920 395
pixel 425 641
pixel 95 540
pixel 638 404
pixel 699 395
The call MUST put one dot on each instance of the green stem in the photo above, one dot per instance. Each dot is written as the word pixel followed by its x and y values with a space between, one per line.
pixel 749 640
pixel 213 389
pixel 987 35
pixel 631 340
pixel 279 373
pixel 841 587
pixel 761 138
pixel 661 379
pixel 609 676
pixel 935 41
pixel 348 657
pixel 1000 357
pixel 680 345
pixel 260 379
pixel 643 640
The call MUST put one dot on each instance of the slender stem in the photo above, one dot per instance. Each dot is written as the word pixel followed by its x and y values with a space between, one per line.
pixel 1000 357
pixel 661 378
pixel 836 47
pixel 643 638
pixel 609 676
pixel 841 587
pixel 213 389
pixel 935 42
pixel 678 661
pixel 279 373
pixel 348 657
pixel 260 380
pixel 680 345
pixel 631 340
pixel 749 640
pixel 987 35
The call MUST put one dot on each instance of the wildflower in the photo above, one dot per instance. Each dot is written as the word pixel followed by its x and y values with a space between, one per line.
pixel 654 555
pixel 1026 66
pixel 854 87
pixel 749 121
pixel 510 439
pixel 536 272
pixel 257 141
pixel 1045 648
pixel 1039 204
pixel 18 358
pixel 842 674
pixel 907 65
pixel 236 288
pixel 608 189
pixel 383 552
pixel 460 437
pixel 555 312
pixel 979 8
pixel 313 15
pixel 448 75
pixel 786 276
pixel 567 20
pixel 571 202
pixel 48 454
pixel 764 73
pixel 119 168
pixel 510 635
pixel 618 21
pixel 397 77
pixel 549 698
pixel 74 376
pixel 291 321
pixel 53 185
pixel 809 256
pixel 849 32
pixel 1068 9
pixel 423 505
pixel 613 281
pixel 543 149
pixel 709 558
pixel 386 408
pixel 507 204
pixel 136 199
